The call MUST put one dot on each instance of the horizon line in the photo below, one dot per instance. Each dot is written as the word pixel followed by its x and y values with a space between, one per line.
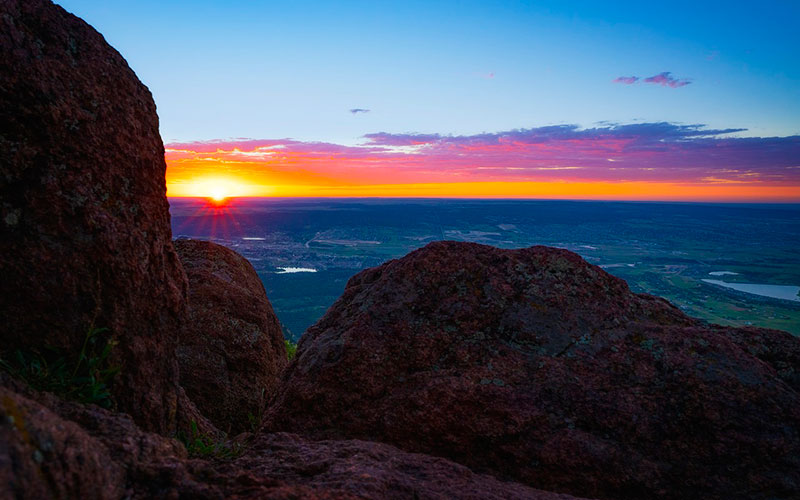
pixel 497 198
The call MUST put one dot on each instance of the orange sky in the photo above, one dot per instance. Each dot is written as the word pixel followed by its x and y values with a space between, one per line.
pixel 573 169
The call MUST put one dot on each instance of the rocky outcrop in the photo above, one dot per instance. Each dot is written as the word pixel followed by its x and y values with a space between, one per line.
pixel 50 448
pixel 43 456
pixel 368 470
pixel 536 366
pixel 231 349
pixel 55 449
pixel 84 222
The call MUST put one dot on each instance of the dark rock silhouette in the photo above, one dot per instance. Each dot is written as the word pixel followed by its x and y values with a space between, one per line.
pixel 231 349
pixel 85 237
pixel 536 366
pixel 57 449
pixel 370 470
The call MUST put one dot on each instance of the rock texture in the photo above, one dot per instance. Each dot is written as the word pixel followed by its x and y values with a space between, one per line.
pixel 55 449
pixel 231 350
pixel 536 366
pixel 51 448
pixel 369 470
pixel 84 222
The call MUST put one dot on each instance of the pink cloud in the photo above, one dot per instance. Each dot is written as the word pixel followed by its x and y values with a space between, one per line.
pixel 665 79
pixel 627 80
pixel 611 152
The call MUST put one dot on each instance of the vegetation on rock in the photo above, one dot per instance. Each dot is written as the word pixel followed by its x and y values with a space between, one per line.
pixel 202 445
pixel 291 349
pixel 86 377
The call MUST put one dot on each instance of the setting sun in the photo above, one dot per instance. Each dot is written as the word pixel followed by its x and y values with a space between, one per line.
pixel 216 188
pixel 218 194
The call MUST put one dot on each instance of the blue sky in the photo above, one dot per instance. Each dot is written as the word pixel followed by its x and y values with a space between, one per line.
pixel 232 69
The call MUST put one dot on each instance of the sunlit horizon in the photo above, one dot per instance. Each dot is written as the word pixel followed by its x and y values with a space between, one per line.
pixel 637 162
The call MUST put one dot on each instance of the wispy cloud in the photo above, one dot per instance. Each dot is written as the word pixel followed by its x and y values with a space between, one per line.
pixel 409 139
pixel 665 79
pixel 356 111
pixel 627 80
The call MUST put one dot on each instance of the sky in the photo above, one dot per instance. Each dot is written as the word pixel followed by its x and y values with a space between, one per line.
pixel 597 100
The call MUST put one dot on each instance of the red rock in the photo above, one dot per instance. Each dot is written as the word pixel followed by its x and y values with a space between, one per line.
pixel 51 448
pixel 367 470
pixel 41 456
pixel 231 349
pixel 85 237
pixel 536 366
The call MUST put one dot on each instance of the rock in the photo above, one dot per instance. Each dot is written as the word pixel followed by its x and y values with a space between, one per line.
pixel 363 469
pixel 536 366
pixel 190 418
pixel 51 448
pixel 85 236
pixel 231 350
pixel 42 456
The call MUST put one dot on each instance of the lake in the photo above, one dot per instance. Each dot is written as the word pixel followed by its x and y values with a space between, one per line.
pixel 785 292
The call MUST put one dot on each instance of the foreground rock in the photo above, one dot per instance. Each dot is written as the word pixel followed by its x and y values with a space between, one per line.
pixel 55 449
pixel 231 349
pixel 368 470
pixel 536 366
pixel 84 223
pixel 51 448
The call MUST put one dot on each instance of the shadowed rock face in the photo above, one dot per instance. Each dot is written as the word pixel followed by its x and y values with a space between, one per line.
pixel 537 366
pixel 371 470
pixel 55 449
pixel 231 350
pixel 58 449
pixel 85 237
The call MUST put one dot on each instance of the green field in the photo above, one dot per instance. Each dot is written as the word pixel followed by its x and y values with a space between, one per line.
pixel 658 248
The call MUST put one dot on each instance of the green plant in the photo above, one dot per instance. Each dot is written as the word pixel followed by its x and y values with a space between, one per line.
pixel 202 445
pixel 254 421
pixel 85 378
pixel 291 349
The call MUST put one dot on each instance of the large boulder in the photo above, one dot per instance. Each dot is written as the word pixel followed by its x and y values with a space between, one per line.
pixel 85 237
pixel 536 366
pixel 231 350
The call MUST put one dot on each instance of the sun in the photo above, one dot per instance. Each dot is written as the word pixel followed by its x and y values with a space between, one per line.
pixel 218 194
pixel 218 190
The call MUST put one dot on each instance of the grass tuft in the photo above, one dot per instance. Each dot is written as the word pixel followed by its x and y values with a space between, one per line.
pixel 202 445
pixel 291 349
pixel 85 378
